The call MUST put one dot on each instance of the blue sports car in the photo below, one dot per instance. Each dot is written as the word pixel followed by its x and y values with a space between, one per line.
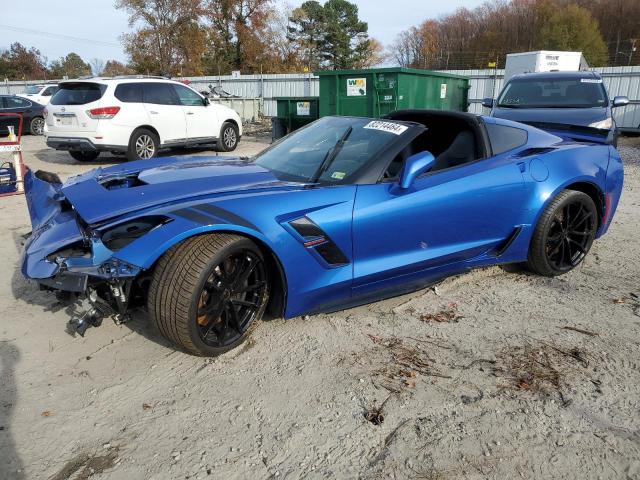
pixel 342 212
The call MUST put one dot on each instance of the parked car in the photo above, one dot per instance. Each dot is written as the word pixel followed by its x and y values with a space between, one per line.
pixel 568 101
pixel 32 115
pixel 135 116
pixel 40 93
pixel 339 213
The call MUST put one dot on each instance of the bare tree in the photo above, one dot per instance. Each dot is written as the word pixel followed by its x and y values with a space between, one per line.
pixel 97 66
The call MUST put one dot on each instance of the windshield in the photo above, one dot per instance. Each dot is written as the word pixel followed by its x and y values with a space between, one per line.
pixel 332 148
pixel 33 89
pixel 565 93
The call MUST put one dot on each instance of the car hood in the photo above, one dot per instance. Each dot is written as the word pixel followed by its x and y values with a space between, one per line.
pixel 568 116
pixel 101 194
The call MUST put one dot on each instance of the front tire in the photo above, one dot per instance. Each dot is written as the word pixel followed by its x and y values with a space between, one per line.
pixel 208 293
pixel 81 156
pixel 229 137
pixel 143 145
pixel 36 127
pixel 564 234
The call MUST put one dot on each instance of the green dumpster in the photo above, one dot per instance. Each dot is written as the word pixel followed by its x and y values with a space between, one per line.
pixel 293 113
pixel 376 92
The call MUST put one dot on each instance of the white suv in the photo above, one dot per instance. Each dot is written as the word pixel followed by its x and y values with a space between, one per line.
pixel 40 93
pixel 136 116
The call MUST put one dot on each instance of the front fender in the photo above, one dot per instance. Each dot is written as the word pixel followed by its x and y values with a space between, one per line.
pixel 148 249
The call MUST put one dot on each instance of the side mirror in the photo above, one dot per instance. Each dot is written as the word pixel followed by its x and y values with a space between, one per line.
pixel 206 101
pixel 620 101
pixel 487 102
pixel 415 166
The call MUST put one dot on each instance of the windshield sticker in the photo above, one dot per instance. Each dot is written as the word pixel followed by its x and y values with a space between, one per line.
pixel 591 80
pixel 338 175
pixel 389 127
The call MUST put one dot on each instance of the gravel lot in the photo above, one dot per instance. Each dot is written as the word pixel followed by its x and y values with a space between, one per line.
pixel 489 375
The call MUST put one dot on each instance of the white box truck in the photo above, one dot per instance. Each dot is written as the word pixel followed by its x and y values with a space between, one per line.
pixel 543 61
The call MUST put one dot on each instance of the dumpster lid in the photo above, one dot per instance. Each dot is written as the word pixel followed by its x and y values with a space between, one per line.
pixel 375 71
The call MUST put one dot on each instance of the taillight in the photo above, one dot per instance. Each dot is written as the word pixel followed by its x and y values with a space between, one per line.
pixel 103 113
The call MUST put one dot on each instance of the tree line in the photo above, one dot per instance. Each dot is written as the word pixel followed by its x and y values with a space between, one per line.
pixel 604 30
pixel 216 37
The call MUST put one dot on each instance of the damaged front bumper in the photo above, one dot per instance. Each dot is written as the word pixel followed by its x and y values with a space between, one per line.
pixel 61 253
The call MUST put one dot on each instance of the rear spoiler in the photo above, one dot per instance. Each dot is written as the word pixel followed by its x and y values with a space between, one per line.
pixel 578 133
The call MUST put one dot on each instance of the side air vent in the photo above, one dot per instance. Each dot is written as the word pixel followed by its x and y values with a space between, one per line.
pixel 306 228
pixel 313 237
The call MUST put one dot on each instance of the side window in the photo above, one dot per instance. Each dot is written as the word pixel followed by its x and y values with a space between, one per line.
pixel 159 94
pixel 505 138
pixel 129 92
pixel 188 97
pixel 17 102
pixel 49 91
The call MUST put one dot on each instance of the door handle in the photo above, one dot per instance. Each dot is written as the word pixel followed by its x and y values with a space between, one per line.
pixel 189 113
pixel 152 112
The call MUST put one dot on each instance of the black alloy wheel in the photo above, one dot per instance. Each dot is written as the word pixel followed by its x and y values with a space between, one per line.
pixel 564 234
pixel 231 298
pixel 208 293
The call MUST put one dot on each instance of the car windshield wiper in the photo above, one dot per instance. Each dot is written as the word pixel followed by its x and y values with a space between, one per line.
pixel 331 155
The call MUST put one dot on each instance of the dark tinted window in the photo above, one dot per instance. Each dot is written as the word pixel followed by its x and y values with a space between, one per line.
pixel 78 93
pixel 188 97
pixel 49 91
pixel 129 92
pixel 561 93
pixel 160 94
pixel 505 138
pixel 17 102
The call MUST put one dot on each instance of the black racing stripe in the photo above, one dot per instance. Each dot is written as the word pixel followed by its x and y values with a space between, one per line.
pixel 194 216
pixel 225 215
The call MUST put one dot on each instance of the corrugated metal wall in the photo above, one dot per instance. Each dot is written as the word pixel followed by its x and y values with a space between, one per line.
pixel 484 83
pixel 266 87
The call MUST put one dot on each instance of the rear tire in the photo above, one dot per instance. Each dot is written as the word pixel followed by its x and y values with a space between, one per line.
pixel 564 234
pixel 208 293
pixel 36 127
pixel 143 145
pixel 229 137
pixel 81 156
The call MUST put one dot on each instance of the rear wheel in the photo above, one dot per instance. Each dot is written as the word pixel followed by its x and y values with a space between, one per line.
pixel 36 127
pixel 208 293
pixel 83 156
pixel 564 234
pixel 143 144
pixel 229 137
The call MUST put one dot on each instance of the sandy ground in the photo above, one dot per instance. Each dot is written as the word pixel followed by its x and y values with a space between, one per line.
pixel 490 375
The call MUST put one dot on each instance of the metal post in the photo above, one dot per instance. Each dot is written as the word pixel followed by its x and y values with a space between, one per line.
pixel 17 161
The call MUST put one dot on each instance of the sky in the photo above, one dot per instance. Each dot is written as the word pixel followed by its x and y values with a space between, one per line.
pixel 94 32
